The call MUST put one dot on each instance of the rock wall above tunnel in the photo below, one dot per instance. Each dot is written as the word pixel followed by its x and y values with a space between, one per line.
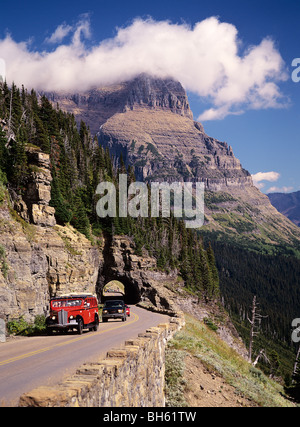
pixel 142 281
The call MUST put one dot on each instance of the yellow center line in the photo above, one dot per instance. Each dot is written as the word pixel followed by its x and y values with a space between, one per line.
pixel 43 350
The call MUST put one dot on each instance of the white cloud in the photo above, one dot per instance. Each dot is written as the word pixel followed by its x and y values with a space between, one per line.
pixel 206 59
pixel 62 31
pixel 264 176
pixel 59 34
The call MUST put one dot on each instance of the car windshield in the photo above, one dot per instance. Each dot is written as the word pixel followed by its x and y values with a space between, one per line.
pixel 67 303
pixel 114 304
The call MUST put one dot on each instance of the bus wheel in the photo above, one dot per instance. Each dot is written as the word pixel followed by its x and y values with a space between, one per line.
pixel 80 326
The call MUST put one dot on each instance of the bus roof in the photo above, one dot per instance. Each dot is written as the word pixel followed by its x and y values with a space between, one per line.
pixel 74 295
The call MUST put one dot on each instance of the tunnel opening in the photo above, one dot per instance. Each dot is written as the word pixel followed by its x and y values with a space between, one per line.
pixel 118 287
pixel 114 286
pixel 109 272
pixel 132 292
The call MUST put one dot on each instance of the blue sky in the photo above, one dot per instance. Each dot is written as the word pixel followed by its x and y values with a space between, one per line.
pixel 263 132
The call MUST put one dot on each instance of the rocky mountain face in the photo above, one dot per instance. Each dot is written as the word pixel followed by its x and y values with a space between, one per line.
pixel 287 204
pixel 149 122
pixel 96 106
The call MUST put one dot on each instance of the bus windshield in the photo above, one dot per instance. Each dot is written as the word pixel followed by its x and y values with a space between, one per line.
pixel 66 303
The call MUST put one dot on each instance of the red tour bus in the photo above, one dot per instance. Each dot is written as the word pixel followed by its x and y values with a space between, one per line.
pixel 74 311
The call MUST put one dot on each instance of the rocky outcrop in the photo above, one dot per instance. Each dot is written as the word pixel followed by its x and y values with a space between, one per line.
pixel 33 206
pixel 42 262
pixel 144 284
pixel 168 147
pixel 157 94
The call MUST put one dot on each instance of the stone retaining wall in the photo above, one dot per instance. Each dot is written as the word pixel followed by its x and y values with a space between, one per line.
pixel 130 376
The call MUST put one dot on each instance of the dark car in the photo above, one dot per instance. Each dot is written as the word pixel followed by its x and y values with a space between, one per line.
pixel 114 309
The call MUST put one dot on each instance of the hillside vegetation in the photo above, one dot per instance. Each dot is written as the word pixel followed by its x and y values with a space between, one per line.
pixel 222 377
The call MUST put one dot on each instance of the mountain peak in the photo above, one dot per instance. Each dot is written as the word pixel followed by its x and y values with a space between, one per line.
pixel 145 91
pixel 158 93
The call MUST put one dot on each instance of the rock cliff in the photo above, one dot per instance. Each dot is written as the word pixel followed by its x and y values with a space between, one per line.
pixel 150 122
pixel 168 147
pixel 33 206
pixel 96 106
pixel 41 262
pixel 143 282
pixel 164 146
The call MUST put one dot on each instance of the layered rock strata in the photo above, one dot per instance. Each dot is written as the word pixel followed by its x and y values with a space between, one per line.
pixel 33 206
pixel 97 105
pixel 42 262
pixel 149 121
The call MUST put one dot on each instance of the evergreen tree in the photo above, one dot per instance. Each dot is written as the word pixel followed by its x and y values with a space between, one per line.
pixel 275 365
pixel 214 271
pixel 40 138
pixel 15 109
pixel 63 212
pixel 48 117
pixel 80 219
pixel 17 170
pixel 3 153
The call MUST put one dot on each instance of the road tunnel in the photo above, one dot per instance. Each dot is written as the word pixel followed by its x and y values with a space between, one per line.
pixel 124 287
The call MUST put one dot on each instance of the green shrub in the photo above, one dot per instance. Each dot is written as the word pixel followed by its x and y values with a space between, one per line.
pixel 21 327
pixel 208 322
pixel 40 323
pixel 17 326
pixel 175 383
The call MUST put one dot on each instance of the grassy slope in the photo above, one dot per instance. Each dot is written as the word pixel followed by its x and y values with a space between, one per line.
pixel 247 219
pixel 202 343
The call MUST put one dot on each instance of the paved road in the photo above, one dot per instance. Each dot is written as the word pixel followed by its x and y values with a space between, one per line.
pixel 27 363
